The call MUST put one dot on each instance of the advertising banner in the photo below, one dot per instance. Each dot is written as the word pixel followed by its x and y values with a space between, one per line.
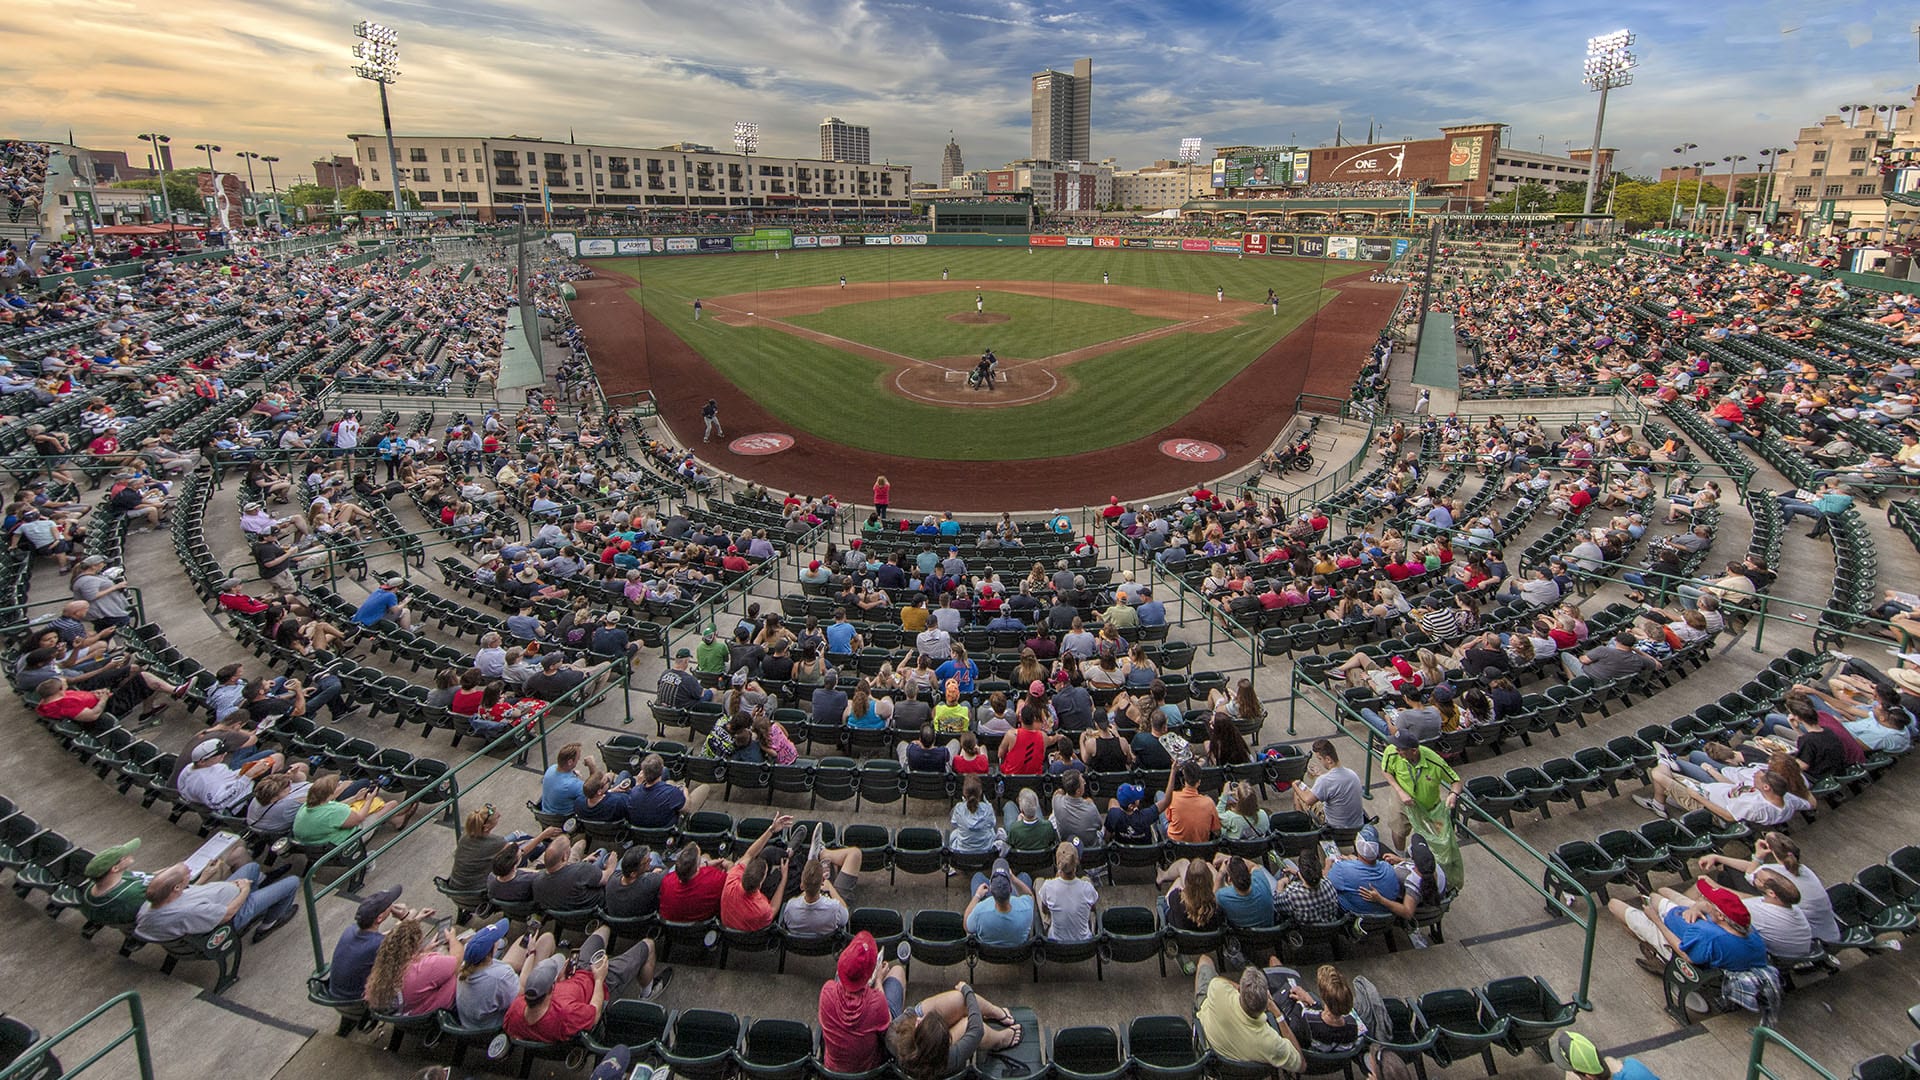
pixel 1311 247
pixel 83 205
pixel 1254 243
pixel 564 239
pixel 677 244
pixel 1265 167
pixel 806 241
pixel 1224 247
pixel 877 241
pixel 1279 245
pixel 596 246
pixel 716 243
pixel 1300 160
pixel 1191 244
pixel 1106 241
pixel 1400 246
pixel 1079 241
pixel 1165 243
pixel 1219 172
pixel 156 207
pixel 830 241
pixel 1139 242
pixel 1463 159
pixel 764 240
pixel 641 245
pixel 1376 248
pixel 1342 247
pixel 909 239
pixel 1047 241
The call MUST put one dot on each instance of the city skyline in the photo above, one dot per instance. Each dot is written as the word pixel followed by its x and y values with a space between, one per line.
pixel 276 78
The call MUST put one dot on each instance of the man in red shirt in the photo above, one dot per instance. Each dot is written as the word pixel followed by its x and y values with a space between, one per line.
pixel 857 1005
pixel 57 702
pixel 734 562
pixel 742 905
pixel 691 893
pixel 559 1000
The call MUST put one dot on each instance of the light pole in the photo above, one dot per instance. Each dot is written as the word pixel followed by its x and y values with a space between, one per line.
pixel 1733 164
pixel 1893 114
pixel 379 53
pixel 1699 185
pixel 1189 154
pixel 1854 112
pixel 1770 157
pixel 1610 61
pixel 746 139
pixel 250 157
pixel 273 184
pixel 160 165
pixel 1673 212
pixel 213 180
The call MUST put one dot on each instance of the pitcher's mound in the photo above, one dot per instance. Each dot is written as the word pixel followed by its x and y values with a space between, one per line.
pixel 979 317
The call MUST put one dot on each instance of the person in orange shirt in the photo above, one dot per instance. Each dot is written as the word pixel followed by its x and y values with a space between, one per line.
pixel 1192 818
pixel 743 906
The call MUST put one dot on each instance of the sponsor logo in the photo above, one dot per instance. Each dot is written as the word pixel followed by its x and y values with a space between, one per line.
pixel 1376 161
pixel 1191 244
pixel 1079 241
pixel 1342 247
pixel 1311 246
pixel 1254 243
pixel 1106 241
pixel 1191 450
pixel 1139 242
pixel 596 247
pixel 1375 248
pixel 830 241
pixel 683 243
pixel 877 241
pixel 1165 243
pixel 1459 155
pixel 1224 247
pixel 806 241
pixel 561 238
pixel 638 246
pixel 1279 245
pixel 1047 241
pixel 1400 246
pixel 716 243
pixel 909 239
pixel 761 444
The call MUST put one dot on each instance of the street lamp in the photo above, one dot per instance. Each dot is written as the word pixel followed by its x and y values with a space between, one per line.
pixel 1770 158
pixel 273 184
pixel 1893 114
pixel 1733 164
pixel 213 180
pixel 379 52
pixel 1189 154
pixel 1699 184
pixel 1610 61
pixel 160 165
pixel 1854 112
pixel 1673 212
pixel 746 139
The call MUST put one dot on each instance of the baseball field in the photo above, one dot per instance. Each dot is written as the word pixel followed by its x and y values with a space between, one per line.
pixel 1099 350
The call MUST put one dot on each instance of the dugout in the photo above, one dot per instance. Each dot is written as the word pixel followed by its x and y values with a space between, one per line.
pixel 998 216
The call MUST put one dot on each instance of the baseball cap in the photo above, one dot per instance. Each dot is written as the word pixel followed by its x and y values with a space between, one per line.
pixel 858 959
pixel 814 565
pixel 1037 688
pixel 683 654
pixel 98 866
pixel 206 749
pixel 1367 844
pixel 1129 794
pixel 1000 885
pixel 614 1066
pixel 1728 901
pixel 480 945
pixel 1443 693
pixel 541 979
pixel 1406 740
pixel 1575 1052
pixel 375 906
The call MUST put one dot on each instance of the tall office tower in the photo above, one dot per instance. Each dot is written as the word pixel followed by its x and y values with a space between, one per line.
pixel 950 163
pixel 841 141
pixel 1062 104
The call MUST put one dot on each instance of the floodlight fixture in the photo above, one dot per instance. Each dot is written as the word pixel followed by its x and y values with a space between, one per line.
pixel 1610 63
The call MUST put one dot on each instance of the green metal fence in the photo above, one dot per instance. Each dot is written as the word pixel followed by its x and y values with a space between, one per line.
pixel 1758 1069
pixel 39 1059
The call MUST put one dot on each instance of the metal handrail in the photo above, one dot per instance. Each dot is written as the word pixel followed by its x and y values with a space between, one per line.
pixel 34 1058
pixel 1757 1069
pixel 1237 633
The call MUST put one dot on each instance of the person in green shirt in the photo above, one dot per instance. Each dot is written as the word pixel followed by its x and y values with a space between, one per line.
pixel 711 656
pixel 1241 1020
pixel 1026 829
pixel 328 818
pixel 1427 788
pixel 117 891
pixel 951 717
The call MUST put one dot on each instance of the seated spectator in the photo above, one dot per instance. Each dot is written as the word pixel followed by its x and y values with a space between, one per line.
pixel 691 892
pixel 1715 931
pixel 1246 897
pixel 1132 819
pixel 560 999
pixel 333 815
pixel 175 909
pixel 1351 874
pixel 743 904
pixel 1001 911
pixel 1066 900
pixel 1303 893
pixel 414 972
pixel 634 893
pixel 1191 816
pixel 1764 799
pixel 115 890
pixel 487 986
pixel 939 1036
pixel 1026 829
pixel 1076 818
pixel 1191 904
pixel 474 852
pixel 353 953
pixel 924 754
pixel 974 826
pixel 1334 796
pixel 1239 812
pixel 857 1006
pixel 508 882
pixel 819 909
pixel 569 882
pixel 1241 1021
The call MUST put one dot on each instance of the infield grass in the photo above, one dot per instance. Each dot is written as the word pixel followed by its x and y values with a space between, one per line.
pixel 1036 326
pixel 1107 400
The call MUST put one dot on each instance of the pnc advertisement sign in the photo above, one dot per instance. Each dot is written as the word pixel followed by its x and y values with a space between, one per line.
pixel 1047 241
pixel 715 244
pixel 909 239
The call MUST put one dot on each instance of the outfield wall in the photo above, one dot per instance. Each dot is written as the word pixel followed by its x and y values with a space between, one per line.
pixel 1349 246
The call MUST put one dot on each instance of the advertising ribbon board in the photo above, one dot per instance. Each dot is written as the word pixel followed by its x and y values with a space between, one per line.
pixel 1047 241
pixel 1279 245
pixel 1312 247
pixel 764 240
pixel 830 241
pixel 564 239
pixel 909 239
pixel 1375 248
pixel 1254 243
pixel 1079 241
pixel 1342 247
pixel 679 244
pixel 596 247
pixel 637 246
pixel 1191 244
pixel 1224 247
pixel 1165 243
pixel 1106 241
pixel 877 241
pixel 715 244
pixel 806 241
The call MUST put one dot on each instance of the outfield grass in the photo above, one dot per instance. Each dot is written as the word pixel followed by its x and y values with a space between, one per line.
pixel 1037 326
pixel 1108 400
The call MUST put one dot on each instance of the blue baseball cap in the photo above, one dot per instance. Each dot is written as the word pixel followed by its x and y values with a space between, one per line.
pixel 480 945
pixel 1130 794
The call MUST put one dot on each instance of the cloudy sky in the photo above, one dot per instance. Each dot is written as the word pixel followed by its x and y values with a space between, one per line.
pixel 275 77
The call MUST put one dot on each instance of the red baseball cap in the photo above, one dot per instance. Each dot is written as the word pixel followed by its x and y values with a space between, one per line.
pixel 1728 901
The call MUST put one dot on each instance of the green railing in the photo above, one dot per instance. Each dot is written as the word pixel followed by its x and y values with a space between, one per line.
pixel 352 857
pixel 1221 626
pixel 1322 487
pixel 34 1061
pixel 1757 1068
pixel 1535 865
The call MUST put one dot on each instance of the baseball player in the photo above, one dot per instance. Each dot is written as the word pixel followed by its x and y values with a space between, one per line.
pixel 710 413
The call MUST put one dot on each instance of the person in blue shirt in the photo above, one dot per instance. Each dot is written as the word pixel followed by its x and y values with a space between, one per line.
pixel 843 639
pixel 1245 894
pixel 383 604
pixel 1715 931
pixel 1001 911
pixel 948 526
pixel 960 668
pixel 1151 612
pixel 1576 1053
pixel 561 789
pixel 1829 502
pixel 1362 881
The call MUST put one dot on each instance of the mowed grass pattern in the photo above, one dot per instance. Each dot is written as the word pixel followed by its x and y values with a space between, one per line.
pixel 1108 400
pixel 918 326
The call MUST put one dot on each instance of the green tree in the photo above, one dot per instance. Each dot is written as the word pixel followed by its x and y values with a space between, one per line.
pixel 309 195
pixel 1528 198
pixel 183 189
pixel 1641 202
pixel 358 199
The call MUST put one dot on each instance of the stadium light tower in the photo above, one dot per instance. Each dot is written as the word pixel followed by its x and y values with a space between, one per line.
pixel 249 157
pixel 1189 154
pixel 379 53
pixel 746 139
pixel 160 167
pixel 1770 160
pixel 213 178
pixel 1699 188
pixel 1610 62
pixel 1673 212
pixel 1733 164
